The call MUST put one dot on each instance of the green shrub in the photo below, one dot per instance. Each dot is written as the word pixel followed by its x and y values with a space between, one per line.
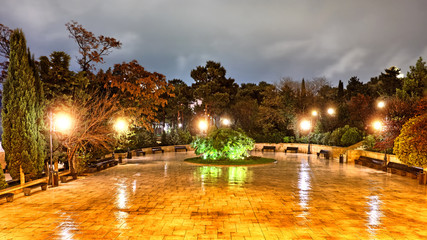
pixel 178 136
pixel 325 138
pixel 369 142
pixel 351 136
pixel 289 139
pixel 224 143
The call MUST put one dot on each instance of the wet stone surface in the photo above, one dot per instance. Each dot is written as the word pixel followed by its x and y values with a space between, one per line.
pixel 161 197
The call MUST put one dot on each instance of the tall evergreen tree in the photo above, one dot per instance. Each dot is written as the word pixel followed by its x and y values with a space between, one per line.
pixel 340 94
pixel 21 98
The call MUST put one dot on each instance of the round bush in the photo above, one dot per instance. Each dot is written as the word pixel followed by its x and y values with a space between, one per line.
pixel 224 143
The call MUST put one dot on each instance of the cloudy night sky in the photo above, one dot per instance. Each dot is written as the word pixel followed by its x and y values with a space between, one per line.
pixel 254 40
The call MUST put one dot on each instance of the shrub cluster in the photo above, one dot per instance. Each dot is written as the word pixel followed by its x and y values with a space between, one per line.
pixel 223 143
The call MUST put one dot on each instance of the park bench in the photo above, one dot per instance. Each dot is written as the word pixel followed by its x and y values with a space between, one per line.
pixel 269 148
pixel 403 169
pixel 157 149
pixel 139 152
pixel 371 162
pixel 181 147
pixel 103 163
pixel 27 189
pixel 325 153
pixel 8 196
pixel 295 149
pixel 64 177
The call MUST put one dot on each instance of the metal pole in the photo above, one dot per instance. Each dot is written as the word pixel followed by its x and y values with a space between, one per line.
pixel 50 173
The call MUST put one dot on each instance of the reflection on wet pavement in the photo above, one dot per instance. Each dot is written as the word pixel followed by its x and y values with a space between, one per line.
pixel 160 196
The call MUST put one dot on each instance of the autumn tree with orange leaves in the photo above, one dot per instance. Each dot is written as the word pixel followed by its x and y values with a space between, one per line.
pixel 91 48
pixel 139 93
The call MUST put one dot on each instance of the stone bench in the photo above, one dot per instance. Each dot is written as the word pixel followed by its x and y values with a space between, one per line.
pixel 403 169
pixel 8 196
pixel 371 162
pixel 27 189
pixel 295 149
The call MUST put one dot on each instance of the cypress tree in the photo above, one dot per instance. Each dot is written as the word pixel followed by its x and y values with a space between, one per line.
pixel 20 115
pixel 3 183
pixel 340 94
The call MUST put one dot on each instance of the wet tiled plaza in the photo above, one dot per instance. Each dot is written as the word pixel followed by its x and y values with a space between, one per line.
pixel 161 197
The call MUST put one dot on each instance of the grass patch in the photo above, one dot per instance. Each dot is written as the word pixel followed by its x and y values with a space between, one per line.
pixel 252 160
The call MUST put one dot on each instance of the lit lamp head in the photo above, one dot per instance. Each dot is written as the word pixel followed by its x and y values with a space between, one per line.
pixel 378 125
pixel 305 125
pixel 381 104
pixel 63 122
pixel 203 125
pixel 121 125
pixel 314 113
pixel 226 122
pixel 331 111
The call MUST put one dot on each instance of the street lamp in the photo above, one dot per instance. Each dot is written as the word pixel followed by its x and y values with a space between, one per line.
pixel 121 126
pixel 306 126
pixel 226 122
pixel 314 113
pixel 381 104
pixel 203 125
pixel 331 111
pixel 61 122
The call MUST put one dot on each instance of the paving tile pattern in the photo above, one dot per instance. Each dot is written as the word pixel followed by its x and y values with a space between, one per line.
pixel 161 197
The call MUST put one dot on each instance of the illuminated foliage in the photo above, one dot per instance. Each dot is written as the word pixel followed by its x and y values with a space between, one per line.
pixel 224 144
pixel 139 93
pixel 410 145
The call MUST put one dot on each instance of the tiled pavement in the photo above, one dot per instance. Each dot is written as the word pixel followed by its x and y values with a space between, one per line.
pixel 163 197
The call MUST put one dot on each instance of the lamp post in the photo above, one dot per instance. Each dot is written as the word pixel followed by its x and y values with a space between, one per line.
pixel 306 126
pixel 378 127
pixel 61 122
pixel 121 126
pixel 203 126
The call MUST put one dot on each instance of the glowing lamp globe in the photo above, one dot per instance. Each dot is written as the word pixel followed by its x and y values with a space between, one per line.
pixel 226 122
pixel 381 104
pixel 378 125
pixel 203 125
pixel 121 125
pixel 331 111
pixel 63 122
pixel 314 113
pixel 305 125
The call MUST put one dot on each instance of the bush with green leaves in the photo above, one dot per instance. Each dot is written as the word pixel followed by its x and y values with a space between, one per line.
pixel 369 143
pixel 351 136
pixel 224 143
pixel 178 136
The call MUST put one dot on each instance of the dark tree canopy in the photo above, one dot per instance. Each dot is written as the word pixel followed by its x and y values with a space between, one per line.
pixel 91 48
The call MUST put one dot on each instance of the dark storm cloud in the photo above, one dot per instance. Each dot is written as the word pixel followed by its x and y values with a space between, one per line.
pixel 254 40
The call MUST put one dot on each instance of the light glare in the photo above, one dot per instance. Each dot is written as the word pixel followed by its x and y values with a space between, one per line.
pixel 121 125
pixel 378 125
pixel 331 111
pixel 305 125
pixel 203 125
pixel 63 122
